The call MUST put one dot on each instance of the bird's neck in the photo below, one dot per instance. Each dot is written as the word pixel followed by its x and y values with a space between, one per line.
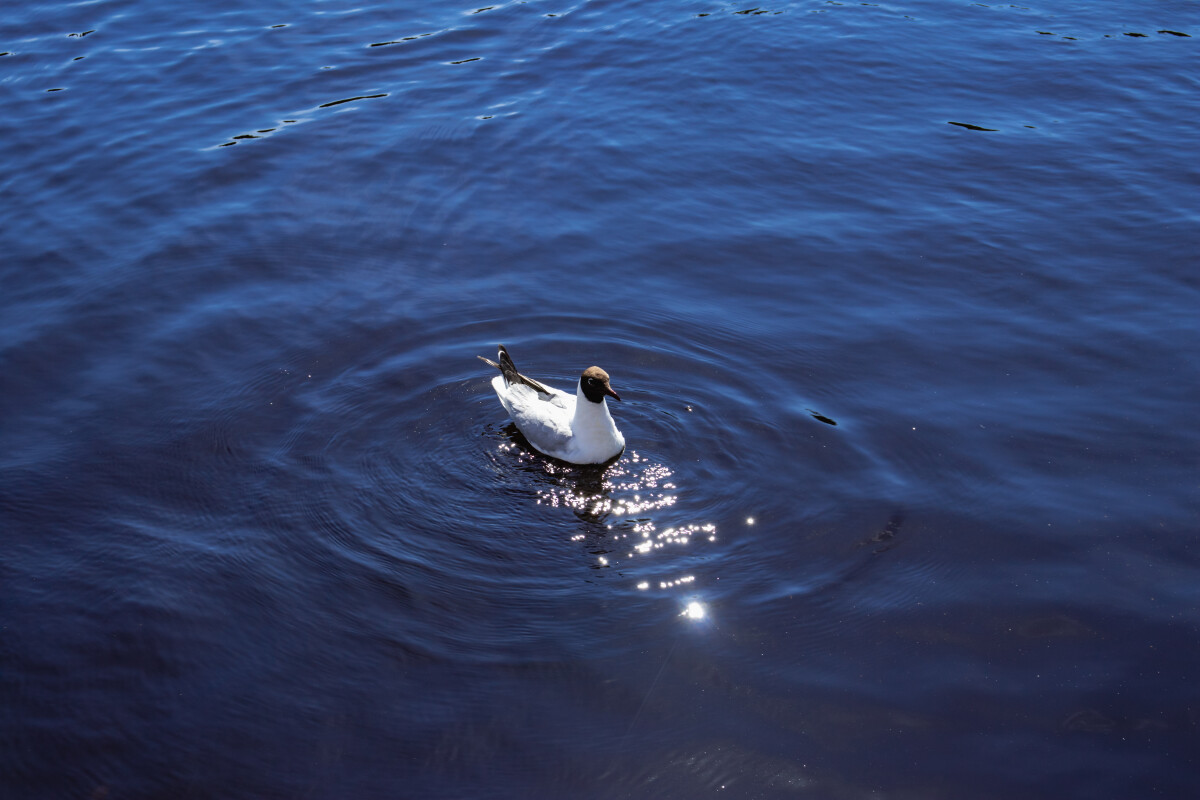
pixel 591 418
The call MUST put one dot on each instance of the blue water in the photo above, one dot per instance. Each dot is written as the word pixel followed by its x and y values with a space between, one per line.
pixel 900 300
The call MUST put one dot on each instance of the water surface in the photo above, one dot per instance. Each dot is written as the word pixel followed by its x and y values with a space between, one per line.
pixel 900 301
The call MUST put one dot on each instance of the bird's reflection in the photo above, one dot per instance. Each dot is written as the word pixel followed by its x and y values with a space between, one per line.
pixel 617 505
pixel 625 486
pixel 584 488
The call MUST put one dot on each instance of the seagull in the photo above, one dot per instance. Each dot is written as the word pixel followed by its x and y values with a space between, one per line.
pixel 577 429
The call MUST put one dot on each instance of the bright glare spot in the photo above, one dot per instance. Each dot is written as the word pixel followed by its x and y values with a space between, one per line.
pixel 749 520
pixel 644 585
pixel 694 610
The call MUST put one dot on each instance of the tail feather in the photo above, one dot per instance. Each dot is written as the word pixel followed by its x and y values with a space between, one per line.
pixel 509 369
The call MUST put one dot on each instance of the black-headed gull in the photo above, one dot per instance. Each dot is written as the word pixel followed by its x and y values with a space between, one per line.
pixel 576 428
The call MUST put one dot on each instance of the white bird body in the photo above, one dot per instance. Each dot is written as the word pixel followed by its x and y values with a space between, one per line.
pixel 578 428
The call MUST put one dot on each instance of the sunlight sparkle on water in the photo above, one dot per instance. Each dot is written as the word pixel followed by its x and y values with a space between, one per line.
pixel 625 502
pixel 629 488
pixel 676 582
pixel 695 610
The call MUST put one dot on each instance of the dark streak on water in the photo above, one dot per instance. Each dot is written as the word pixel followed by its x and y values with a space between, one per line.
pixel 911 407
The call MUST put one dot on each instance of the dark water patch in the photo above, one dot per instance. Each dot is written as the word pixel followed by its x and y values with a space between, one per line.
pixel 351 100
pixel 885 538
pixel 401 40
pixel 971 127
pixel 261 133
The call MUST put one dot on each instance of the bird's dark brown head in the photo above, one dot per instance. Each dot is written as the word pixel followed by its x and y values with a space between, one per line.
pixel 595 385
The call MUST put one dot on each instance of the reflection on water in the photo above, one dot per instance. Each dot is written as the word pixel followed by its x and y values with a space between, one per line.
pixel 621 502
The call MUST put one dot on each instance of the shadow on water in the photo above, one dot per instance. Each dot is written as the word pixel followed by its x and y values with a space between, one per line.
pixel 586 488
